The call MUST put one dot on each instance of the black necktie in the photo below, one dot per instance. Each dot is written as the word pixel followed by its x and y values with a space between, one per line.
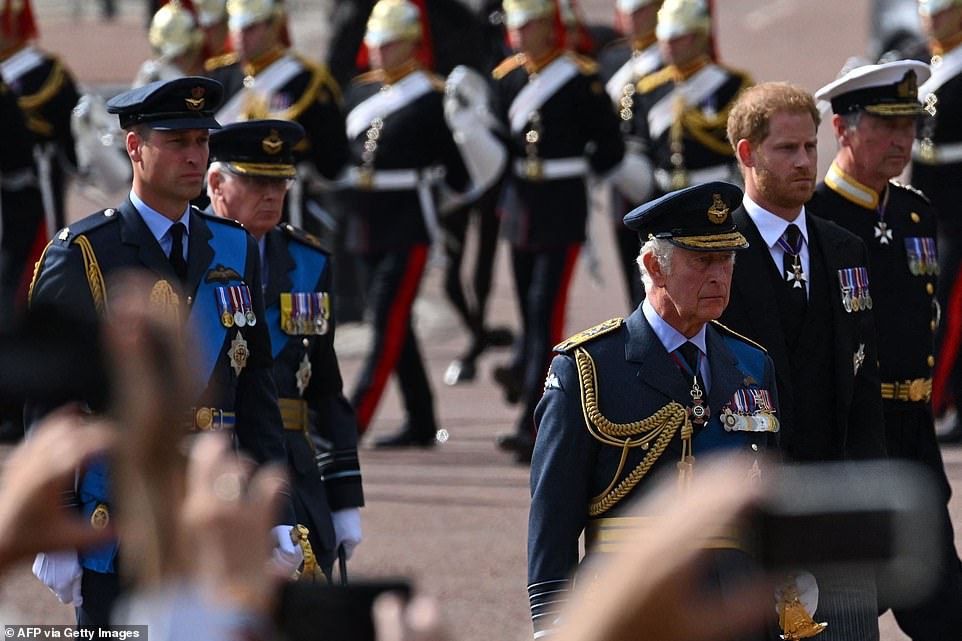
pixel 177 231
pixel 689 351
pixel 794 277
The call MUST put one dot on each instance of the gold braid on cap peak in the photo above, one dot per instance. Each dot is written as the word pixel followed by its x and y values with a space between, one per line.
pixel 655 433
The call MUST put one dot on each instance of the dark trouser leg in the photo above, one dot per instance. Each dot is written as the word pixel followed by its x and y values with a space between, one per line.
pixel 848 602
pixel 393 281
pixel 545 304
pixel 99 593
pixel 455 227
pixel 911 435
pixel 415 388
pixel 947 380
pixel 628 248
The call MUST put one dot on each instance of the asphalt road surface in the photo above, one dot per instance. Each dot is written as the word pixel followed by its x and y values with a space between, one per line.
pixel 453 519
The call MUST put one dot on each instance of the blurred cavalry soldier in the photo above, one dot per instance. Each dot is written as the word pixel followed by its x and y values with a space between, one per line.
pixel 875 112
pixel 631 397
pixel 560 125
pixel 263 78
pixel 252 165
pixel 936 167
pixel 211 18
pixel 681 110
pixel 802 290
pixel 205 270
pixel 623 63
pixel 177 43
pixel 400 143
pixel 22 229
pixel 47 95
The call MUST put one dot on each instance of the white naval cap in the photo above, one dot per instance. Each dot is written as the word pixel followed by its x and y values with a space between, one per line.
pixel 889 89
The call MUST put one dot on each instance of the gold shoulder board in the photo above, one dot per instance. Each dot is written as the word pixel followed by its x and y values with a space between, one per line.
pixel 589 334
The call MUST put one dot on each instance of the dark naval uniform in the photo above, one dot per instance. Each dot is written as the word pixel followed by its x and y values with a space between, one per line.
pixel 560 126
pixel 681 119
pixel 236 390
pixel 623 63
pixel 621 376
pixel 401 150
pixel 47 94
pixel 319 428
pixel 936 167
pixel 901 242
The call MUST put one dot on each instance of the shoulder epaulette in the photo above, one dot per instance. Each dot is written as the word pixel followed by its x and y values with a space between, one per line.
pixel 589 334
pixel 303 237
pixel 585 64
pixel 368 77
pixel 69 234
pixel 223 60
pixel 508 65
pixel 918 192
pixel 655 79
pixel 724 329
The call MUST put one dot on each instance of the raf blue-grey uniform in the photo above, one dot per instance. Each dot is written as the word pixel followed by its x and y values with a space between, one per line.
pixel 236 387
pixel 319 427
pixel 597 446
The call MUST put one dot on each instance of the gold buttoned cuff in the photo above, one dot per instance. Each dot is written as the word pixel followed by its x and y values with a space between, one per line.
pixel 915 390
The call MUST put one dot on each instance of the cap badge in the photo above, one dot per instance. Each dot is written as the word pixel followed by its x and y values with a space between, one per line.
pixel 196 101
pixel 909 87
pixel 718 212
pixel 273 143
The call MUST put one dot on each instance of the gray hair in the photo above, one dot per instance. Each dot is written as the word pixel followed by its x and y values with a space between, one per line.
pixel 662 249
pixel 850 121
pixel 218 167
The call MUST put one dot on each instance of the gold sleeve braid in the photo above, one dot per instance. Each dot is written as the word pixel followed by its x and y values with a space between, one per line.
pixel 652 434
pixel 95 277
pixel 36 272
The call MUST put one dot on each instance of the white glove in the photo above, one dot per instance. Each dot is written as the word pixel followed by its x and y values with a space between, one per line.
pixel 806 587
pixel 287 555
pixel 61 572
pixel 347 529
pixel 634 177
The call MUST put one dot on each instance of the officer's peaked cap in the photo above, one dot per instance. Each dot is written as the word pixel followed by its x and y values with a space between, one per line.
pixel 889 89
pixel 257 147
pixel 696 218
pixel 182 103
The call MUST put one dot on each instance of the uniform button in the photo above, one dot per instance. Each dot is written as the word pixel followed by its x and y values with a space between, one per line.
pixel 932 325
pixel 754 447
pixel 930 288
pixel 915 217
pixel 190 300
pixel 931 361
pixel 305 342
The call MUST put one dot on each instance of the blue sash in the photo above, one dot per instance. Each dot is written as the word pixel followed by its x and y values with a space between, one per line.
pixel 230 250
pixel 309 264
